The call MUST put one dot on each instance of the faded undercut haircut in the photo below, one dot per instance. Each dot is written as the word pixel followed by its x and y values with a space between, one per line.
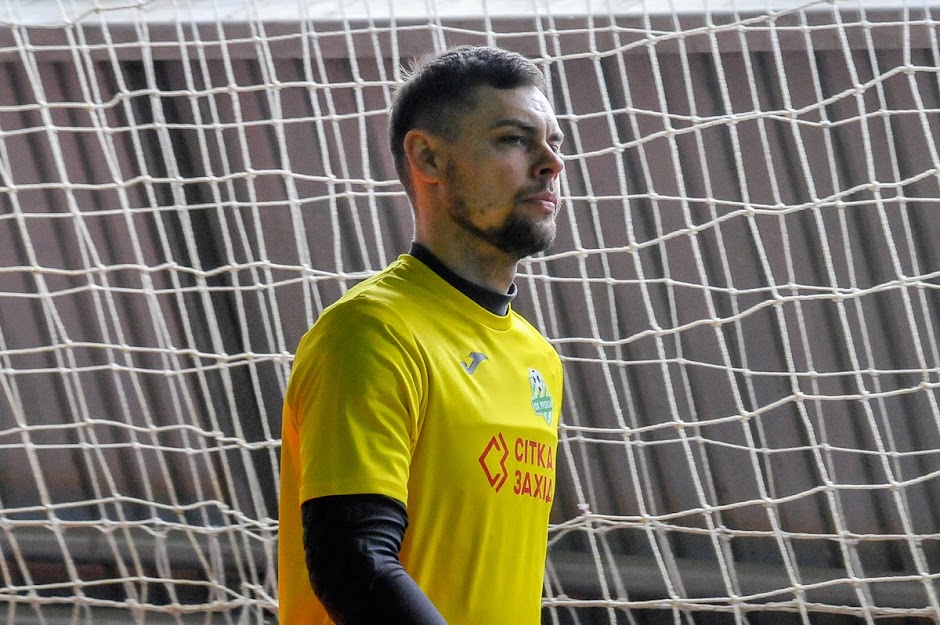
pixel 439 90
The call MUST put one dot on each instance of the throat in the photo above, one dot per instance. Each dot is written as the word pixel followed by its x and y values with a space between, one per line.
pixel 493 301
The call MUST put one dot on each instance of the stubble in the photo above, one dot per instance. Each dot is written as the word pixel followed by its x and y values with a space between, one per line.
pixel 519 235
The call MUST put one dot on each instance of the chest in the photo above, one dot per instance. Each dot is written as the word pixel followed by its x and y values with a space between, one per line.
pixel 491 415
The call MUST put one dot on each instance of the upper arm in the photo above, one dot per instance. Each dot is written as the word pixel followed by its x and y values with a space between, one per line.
pixel 355 394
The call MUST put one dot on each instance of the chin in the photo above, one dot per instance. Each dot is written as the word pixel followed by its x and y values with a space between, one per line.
pixel 533 243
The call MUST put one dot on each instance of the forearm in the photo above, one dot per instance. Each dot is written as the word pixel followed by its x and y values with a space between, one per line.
pixel 352 544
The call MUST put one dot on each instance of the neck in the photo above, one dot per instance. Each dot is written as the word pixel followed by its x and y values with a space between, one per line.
pixel 496 303
pixel 491 269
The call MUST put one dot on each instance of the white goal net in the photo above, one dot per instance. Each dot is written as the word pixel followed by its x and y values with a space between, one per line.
pixel 745 291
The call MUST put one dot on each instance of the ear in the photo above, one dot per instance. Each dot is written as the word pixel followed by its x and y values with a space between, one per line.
pixel 425 153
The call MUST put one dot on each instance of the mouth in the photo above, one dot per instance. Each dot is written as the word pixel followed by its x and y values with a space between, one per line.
pixel 547 201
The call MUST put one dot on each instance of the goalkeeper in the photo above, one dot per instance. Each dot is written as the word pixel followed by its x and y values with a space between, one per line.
pixel 420 421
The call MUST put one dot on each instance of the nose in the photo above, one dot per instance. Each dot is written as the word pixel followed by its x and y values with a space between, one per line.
pixel 550 164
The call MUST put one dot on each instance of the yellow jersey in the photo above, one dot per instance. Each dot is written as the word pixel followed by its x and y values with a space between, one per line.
pixel 405 387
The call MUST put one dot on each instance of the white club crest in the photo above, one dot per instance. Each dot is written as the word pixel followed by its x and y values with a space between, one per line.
pixel 541 398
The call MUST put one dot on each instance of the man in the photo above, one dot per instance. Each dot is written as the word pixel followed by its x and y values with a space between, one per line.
pixel 420 422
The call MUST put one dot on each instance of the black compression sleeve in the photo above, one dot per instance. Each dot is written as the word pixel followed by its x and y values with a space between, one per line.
pixel 352 544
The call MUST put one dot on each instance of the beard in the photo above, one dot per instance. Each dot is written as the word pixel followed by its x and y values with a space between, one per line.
pixel 517 236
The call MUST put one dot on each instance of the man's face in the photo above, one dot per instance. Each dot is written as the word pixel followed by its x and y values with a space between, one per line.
pixel 501 182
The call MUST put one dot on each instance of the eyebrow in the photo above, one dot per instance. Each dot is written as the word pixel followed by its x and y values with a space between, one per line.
pixel 557 136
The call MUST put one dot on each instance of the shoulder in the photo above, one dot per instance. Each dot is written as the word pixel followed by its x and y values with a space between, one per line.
pixel 380 316
pixel 364 336
pixel 539 345
pixel 367 307
pixel 531 333
pixel 379 301
pixel 356 324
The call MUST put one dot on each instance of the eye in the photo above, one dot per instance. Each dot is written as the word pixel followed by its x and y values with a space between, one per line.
pixel 514 140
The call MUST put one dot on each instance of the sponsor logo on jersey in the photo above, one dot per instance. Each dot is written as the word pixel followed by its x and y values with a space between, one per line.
pixel 475 359
pixel 533 470
pixel 541 398
pixel 493 461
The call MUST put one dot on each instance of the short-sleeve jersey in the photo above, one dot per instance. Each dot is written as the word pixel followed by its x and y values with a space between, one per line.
pixel 407 388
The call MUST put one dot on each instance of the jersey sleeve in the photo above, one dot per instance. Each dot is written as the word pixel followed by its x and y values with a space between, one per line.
pixel 355 394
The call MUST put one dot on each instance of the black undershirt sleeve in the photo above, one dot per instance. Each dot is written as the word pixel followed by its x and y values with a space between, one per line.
pixel 352 544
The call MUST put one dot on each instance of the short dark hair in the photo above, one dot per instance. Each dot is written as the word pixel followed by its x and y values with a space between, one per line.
pixel 439 90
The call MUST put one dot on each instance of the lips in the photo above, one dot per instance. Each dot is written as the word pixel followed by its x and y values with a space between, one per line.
pixel 548 200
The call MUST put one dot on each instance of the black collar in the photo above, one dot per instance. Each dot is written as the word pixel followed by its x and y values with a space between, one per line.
pixel 496 303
